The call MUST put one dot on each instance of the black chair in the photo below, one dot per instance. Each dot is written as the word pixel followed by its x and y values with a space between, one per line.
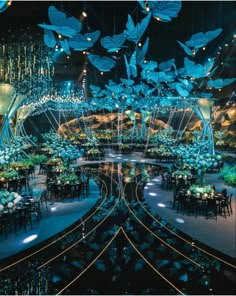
pixel 225 204
pixel 44 197
pixel 211 207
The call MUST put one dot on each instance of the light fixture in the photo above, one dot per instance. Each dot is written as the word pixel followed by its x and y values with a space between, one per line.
pixel 84 14
pixel 30 238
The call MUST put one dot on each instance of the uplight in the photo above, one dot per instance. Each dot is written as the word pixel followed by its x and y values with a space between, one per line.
pixel 30 238
pixel 152 194
pixel 161 205
pixel 179 220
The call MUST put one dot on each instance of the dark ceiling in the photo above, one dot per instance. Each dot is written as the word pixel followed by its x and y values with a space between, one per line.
pixel 110 18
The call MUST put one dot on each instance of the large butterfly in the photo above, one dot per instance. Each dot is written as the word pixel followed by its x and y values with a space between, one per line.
pixel 198 70
pixel 66 26
pixel 127 82
pixel 134 33
pixel 104 64
pixel 198 40
pixel 113 43
pixel 219 83
pixel 161 10
pixel 141 52
pixel 82 42
pixel 149 65
pixel 131 68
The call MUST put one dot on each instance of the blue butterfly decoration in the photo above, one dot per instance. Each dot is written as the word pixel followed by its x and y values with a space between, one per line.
pixel 198 70
pixel 49 38
pixel 199 40
pixel 166 66
pixel 114 43
pixel 165 102
pixel 104 64
pixel 219 83
pixel 127 82
pixel 141 52
pixel 183 87
pixel 135 33
pixel 117 88
pixel 205 95
pixel 131 68
pixel 65 46
pixel 95 89
pixel 82 42
pixel 156 77
pixel 3 5
pixel 138 88
pixel 66 26
pixel 149 65
pixel 162 10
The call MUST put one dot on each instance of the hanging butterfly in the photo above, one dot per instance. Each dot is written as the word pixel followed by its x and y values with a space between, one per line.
pixel 3 5
pixel 161 10
pixel 103 64
pixel 199 40
pixel 205 95
pixel 135 33
pixel 114 43
pixel 198 70
pixel 131 68
pixel 141 52
pixel 94 89
pixel 82 42
pixel 117 88
pixel 127 82
pixel 220 83
pixel 149 65
pixel 49 38
pixel 65 46
pixel 66 26
pixel 166 66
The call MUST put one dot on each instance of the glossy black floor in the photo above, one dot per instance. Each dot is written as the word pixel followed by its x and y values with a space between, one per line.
pixel 117 248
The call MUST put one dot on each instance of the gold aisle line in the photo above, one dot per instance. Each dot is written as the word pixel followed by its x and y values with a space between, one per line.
pixel 70 247
pixel 168 245
pixel 177 235
pixel 59 238
pixel 160 274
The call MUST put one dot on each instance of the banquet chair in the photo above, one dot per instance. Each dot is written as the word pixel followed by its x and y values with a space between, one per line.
pixel 5 224
pixel 211 207
pixel 44 197
pixel 225 204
